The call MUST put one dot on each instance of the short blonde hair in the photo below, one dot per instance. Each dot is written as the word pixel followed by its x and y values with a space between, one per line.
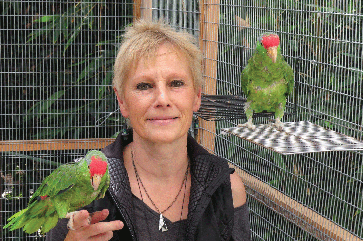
pixel 143 39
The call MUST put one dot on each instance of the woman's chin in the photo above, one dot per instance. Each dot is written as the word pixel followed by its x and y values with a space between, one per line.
pixel 164 135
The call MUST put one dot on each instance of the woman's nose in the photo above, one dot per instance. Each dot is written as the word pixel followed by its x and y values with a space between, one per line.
pixel 162 97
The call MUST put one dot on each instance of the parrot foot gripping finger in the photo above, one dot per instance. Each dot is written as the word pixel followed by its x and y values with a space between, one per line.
pixel 70 224
pixel 70 216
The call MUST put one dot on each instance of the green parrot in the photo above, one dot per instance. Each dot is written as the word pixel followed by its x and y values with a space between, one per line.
pixel 267 80
pixel 68 188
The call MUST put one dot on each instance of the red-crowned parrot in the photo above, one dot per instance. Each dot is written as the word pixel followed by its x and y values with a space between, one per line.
pixel 66 189
pixel 267 80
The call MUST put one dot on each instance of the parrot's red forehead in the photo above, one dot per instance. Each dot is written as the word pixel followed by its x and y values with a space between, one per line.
pixel 271 40
pixel 97 166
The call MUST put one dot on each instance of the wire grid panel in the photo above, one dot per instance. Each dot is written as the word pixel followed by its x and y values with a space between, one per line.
pixel 323 43
pixel 320 40
pixel 55 76
pixel 327 183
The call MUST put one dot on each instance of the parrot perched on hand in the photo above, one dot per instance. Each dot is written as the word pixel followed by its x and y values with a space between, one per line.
pixel 267 80
pixel 66 189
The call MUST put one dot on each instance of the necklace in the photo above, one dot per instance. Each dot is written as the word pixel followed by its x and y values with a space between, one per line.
pixel 162 224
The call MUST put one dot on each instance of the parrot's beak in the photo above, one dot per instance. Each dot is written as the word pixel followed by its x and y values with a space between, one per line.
pixel 272 53
pixel 96 180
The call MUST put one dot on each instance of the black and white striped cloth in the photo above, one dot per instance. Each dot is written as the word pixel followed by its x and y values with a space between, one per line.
pixel 296 137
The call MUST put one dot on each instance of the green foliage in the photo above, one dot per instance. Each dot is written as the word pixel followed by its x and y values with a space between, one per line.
pixel 67 89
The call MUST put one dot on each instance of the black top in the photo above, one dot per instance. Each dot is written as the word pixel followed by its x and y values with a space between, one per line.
pixel 211 215
pixel 147 224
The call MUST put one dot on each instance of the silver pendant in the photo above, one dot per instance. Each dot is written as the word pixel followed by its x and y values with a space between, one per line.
pixel 162 224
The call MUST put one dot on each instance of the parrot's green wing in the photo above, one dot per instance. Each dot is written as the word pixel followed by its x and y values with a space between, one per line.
pixel 41 212
pixel 254 71
pixel 245 80
pixel 52 185
pixel 288 76
pixel 65 190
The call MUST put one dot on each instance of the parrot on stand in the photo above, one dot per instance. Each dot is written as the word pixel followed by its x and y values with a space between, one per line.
pixel 68 188
pixel 267 80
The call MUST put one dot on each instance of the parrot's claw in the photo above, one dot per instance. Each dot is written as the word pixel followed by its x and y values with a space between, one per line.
pixel 70 216
pixel 279 125
pixel 90 218
pixel 248 124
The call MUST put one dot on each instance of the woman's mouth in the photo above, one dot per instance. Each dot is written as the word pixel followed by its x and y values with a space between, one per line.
pixel 162 120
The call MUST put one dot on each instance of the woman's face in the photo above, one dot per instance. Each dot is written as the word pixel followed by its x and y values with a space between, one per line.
pixel 159 96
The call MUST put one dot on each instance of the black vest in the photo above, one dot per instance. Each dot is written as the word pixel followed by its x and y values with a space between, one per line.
pixel 210 211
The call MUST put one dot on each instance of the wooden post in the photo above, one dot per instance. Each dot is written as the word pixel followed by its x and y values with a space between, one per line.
pixel 209 25
pixel 137 9
pixel 142 9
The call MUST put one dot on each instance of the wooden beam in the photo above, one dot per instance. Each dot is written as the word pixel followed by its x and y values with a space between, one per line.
pixel 307 219
pixel 55 144
pixel 209 26
pixel 146 9
pixel 137 9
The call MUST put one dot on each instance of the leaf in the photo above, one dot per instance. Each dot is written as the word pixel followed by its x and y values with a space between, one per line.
pixel 88 71
pixel 41 107
pixel 46 18
pixel 73 37
pixel 105 84
pixel 56 35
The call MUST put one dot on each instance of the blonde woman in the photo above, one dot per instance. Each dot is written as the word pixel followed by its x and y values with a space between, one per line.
pixel 164 185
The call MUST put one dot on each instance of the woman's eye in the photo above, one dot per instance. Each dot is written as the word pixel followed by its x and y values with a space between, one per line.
pixel 177 83
pixel 143 86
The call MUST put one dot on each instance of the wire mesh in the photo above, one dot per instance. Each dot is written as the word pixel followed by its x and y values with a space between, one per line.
pixel 55 77
pixel 180 14
pixel 323 42
pixel 56 66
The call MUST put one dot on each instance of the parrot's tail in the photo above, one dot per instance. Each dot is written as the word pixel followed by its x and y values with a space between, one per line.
pixel 15 220
pixel 39 215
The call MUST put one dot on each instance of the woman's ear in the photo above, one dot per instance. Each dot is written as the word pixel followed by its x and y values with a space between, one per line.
pixel 121 104
pixel 197 100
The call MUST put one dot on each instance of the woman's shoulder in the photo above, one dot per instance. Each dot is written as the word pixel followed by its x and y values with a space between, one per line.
pixel 238 190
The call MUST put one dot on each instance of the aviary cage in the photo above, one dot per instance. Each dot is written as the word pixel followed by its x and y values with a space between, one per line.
pixel 57 100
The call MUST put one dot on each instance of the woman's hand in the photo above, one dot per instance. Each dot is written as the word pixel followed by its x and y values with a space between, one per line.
pixel 95 230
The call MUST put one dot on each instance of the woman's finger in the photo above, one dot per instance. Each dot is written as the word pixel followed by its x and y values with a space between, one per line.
pixel 99 216
pixel 100 228
pixel 102 237
pixel 95 230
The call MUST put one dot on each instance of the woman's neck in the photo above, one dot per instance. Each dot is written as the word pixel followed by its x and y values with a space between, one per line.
pixel 159 161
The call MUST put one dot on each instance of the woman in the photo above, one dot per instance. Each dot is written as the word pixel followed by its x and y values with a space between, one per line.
pixel 164 186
